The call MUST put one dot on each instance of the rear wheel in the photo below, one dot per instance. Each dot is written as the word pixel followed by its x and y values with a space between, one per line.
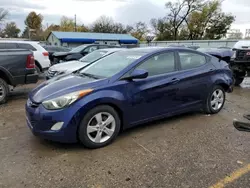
pixel 215 100
pixel 38 70
pixel 99 127
pixel 4 91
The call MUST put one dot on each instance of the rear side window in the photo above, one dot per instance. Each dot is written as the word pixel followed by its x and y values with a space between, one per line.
pixel 26 46
pixel 11 46
pixel 190 60
pixel 159 64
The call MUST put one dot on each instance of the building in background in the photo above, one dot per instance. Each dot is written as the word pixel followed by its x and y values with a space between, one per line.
pixel 73 39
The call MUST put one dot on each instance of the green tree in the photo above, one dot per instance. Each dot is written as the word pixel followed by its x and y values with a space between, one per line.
pixel 67 24
pixel 209 23
pixel 11 30
pixel 34 25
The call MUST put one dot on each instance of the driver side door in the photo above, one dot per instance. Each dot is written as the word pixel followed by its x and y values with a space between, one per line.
pixel 154 96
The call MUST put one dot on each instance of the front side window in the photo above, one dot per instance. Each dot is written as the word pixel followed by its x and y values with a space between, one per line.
pixel 112 64
pixel 190 60
pixel 159 64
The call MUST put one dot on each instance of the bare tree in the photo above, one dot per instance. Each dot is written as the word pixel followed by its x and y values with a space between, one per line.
pixel 3 14
pixel 179 11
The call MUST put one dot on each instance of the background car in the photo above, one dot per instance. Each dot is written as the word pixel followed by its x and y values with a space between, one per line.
pixel 71 66
pixel 78 52
pixel 41 56
pixel 53 49
pixel 125 89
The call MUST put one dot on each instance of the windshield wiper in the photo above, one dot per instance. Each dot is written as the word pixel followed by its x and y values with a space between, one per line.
pixel 89 75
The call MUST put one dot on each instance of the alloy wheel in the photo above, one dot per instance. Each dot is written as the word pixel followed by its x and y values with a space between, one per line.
pixel 101 127
pixel 217 99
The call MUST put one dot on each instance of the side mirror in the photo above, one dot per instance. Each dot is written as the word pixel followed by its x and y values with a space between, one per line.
pixel 137 74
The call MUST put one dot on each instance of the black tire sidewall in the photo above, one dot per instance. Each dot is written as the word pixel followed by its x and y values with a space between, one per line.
pixel 82 130
pixel 209 106
pixel 38 69
pixel 5 87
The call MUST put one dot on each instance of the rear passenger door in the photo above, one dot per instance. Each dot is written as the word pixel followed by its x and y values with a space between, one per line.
pixel 195 77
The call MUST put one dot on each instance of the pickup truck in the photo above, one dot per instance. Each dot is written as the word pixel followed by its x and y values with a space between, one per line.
pixel 17 67
pixel 240 61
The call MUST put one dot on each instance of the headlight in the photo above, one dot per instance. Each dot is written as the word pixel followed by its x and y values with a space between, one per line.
pixel 66 100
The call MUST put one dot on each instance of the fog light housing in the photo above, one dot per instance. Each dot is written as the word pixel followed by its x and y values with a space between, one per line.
pixel 57 126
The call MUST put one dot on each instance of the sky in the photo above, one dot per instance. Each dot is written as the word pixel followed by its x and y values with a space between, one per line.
pixel 124 11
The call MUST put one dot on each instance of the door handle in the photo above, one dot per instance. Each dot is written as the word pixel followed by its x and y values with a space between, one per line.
pixel 174 81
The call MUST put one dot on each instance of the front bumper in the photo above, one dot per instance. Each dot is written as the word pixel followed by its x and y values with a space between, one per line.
pixel 40 121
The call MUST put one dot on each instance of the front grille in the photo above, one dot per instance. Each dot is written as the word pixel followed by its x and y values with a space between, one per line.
pixel 241 55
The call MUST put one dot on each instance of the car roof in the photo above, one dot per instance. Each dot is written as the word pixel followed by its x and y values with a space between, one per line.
pixel 19 41
pixel 109 50
pixel 241 44
pixel 155 49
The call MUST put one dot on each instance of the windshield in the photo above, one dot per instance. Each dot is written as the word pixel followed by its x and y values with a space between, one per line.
pixel 78 49
pixel 112 64
pixel 93 56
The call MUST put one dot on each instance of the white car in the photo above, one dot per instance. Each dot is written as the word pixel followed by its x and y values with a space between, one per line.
pixel 40 54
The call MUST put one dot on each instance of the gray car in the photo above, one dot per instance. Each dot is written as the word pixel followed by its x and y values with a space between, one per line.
pixel 71 66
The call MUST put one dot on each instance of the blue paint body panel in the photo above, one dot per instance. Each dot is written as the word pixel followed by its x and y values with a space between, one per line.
pixel 138 100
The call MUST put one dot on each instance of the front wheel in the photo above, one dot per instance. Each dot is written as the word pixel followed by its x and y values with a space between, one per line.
pixel 215 100
pixel 99 127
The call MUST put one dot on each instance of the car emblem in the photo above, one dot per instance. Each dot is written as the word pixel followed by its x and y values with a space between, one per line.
pixel 248 53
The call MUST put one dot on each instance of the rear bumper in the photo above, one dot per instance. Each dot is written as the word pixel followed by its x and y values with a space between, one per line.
pixel 31 78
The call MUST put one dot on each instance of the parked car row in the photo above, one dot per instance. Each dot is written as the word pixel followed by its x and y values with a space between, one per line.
pixel 71 66
pixel 41 56
pixel 125 88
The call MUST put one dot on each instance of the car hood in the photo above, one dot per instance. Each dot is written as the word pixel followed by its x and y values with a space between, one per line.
pixel 68 67
pixel 63 53
pixel 62 85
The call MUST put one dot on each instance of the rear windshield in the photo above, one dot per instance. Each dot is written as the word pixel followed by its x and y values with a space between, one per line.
pixel 78 49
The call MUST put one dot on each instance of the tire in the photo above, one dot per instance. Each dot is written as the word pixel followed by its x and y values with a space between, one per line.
pixel 38 70
pixel 211 108
pixel 4 91
pixel 239 77
pixel 89 124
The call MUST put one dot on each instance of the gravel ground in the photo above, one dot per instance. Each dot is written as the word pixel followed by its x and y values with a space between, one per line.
pixel 191 151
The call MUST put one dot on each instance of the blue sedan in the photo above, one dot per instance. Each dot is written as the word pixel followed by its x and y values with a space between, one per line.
pixel 124 89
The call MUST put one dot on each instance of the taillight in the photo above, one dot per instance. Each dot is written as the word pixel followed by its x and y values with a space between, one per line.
pixel 30 63
pixel 46 53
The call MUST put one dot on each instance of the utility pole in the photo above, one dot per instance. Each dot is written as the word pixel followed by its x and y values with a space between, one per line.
pixel 75 22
